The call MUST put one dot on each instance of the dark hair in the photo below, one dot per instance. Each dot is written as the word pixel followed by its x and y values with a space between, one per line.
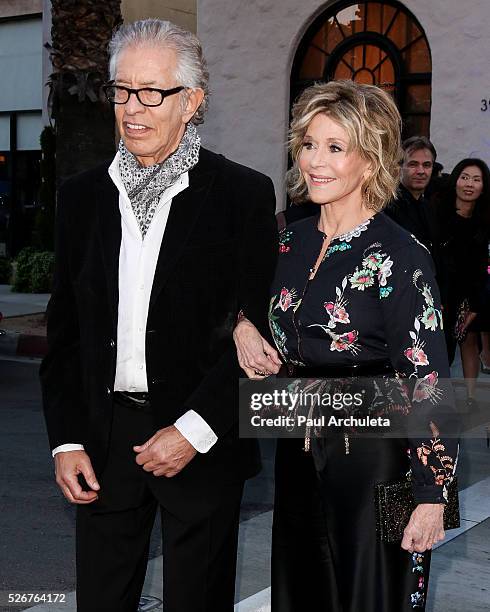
pixel 481 211
pixel 416 143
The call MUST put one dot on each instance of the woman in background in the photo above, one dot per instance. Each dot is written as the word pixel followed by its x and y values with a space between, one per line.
pixel 463 210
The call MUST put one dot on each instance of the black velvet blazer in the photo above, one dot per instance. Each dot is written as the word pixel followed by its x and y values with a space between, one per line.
pixel 217 256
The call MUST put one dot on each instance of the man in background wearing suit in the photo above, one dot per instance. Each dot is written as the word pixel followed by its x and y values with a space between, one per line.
pixel 411 209
pixel 157 253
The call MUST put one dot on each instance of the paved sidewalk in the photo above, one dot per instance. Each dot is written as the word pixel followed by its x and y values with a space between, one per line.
pixel 43 560
pixel 16 304
pixel 15 343
pixel 460 576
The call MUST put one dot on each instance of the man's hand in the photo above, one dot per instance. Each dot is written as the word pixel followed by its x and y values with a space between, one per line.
pixel 255 354
pixel 67 466
pixel 425 528
pixel 166 453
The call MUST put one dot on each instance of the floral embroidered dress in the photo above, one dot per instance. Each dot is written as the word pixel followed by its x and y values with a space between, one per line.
pixel 373 298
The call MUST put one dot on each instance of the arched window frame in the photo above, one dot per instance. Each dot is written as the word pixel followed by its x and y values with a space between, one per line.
pixel 403 78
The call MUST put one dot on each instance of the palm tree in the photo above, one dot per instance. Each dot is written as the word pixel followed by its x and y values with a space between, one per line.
pixel 81 30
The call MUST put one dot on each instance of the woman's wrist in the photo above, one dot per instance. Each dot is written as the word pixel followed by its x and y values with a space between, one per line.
pixel 441 505
pixel 242 321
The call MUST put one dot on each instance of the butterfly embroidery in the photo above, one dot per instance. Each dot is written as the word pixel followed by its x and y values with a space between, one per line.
pixel 416 355
pixel 337 313
pixel 341 342
pixel 336 310
pixel 426 388
pixel 286 298
pixel 345 342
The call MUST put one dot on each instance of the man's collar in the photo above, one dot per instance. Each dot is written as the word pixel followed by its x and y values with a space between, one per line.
pixel 113 170
pixel 407 193
pixel 180 184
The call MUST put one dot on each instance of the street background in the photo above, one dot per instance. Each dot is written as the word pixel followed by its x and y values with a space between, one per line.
pixel 37 547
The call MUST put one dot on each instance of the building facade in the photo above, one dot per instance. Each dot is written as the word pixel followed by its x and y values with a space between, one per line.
pixel 20 116
pixel 182 12
pixel 433 56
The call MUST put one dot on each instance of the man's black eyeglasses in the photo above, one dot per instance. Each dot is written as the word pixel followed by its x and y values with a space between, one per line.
pixel 148 96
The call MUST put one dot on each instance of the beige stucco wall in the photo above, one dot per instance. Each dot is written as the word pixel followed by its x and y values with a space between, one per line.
pixel 181 12
pixel 250 47
pixel 16 8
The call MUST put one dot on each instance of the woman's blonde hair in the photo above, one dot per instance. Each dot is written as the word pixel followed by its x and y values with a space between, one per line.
pixel 372 121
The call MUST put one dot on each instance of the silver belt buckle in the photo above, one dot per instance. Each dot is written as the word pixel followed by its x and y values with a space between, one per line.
pixel 136 400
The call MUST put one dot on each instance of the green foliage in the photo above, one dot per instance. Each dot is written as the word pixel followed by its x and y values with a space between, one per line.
pixel 42 265
pixel 5 270
pixel 22 276
pixel 33 271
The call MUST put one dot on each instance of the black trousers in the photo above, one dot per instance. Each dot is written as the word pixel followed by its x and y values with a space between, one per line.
pixel 113 534
pixel 326 555
pixel 301 561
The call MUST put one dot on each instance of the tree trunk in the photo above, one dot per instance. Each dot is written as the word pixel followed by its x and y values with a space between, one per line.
pixel 84 135
pixel 81 31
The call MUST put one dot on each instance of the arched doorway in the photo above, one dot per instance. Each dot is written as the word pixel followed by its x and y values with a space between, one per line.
pixel 380 43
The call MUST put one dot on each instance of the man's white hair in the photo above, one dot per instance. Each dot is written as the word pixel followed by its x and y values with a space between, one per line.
pixel 191 68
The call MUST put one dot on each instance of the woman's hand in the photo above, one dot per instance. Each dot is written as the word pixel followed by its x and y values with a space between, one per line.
pixel 425 528
pixel 256 356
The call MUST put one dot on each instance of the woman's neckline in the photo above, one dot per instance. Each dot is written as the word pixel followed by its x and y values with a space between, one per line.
pixel 347 236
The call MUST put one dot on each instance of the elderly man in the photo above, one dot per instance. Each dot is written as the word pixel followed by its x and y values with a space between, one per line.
pixel 157 253
pixel 411 210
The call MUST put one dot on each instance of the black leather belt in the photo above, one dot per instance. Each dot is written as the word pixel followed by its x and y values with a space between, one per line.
pixel 376 367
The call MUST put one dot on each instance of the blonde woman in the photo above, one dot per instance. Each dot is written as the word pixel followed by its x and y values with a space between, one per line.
pixel 353 294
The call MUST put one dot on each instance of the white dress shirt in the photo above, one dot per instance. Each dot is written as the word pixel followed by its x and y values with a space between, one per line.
pixel 137 263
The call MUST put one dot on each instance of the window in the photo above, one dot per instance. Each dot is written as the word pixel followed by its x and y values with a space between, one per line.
pixel 379 43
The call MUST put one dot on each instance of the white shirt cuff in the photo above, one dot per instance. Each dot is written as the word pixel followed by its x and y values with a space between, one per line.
pixel 63 448
pixel 195 429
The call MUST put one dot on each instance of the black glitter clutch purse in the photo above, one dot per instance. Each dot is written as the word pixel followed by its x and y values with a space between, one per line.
pixel 395 503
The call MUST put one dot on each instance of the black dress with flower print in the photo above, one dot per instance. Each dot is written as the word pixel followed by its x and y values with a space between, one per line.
pixel 373 297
